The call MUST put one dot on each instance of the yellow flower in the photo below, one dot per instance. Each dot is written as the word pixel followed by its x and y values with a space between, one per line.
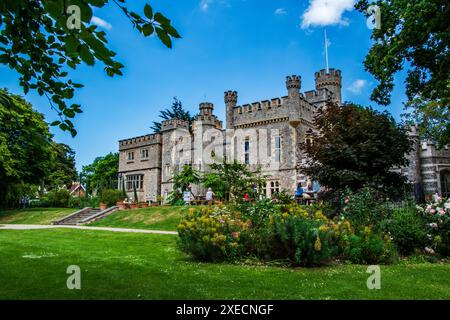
pixel 318 244
pixel 323 228
pixel 319 215
pixel 438 239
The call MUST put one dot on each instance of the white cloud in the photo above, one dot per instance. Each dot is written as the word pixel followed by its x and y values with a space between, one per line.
pixel 357 86
pixel 326 12
pixel 280 11
pixel 101 23
pixel 204 4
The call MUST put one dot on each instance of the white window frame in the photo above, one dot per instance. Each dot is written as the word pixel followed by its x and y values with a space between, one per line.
pixel 277 148
pixel 134 180
pixel 144 153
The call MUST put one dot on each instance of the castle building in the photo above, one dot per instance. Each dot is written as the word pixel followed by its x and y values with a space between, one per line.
pixel 267 134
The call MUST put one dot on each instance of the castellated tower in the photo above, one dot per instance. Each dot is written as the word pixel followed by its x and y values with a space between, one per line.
pixel 206 109
pixel 331 81
pixel 293 84
pixel 230 102
pixel 206 116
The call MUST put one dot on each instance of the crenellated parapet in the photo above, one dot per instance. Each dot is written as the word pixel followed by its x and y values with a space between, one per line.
pixel 231 96
pixel 293 82
pixel 318 96
pixel 263 105
pixel 332 76
pixel 331 80
pixel 174 124
pixel 431 150
pixel 140 141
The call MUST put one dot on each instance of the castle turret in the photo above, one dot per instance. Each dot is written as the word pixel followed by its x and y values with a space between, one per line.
pixel 206 116
pixel 331 81
pixel 231 103
pixel 206 109
pixel 293 84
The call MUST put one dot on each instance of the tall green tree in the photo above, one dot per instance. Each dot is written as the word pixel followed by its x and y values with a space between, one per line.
pixel 26 148
pixel 184 178
pixel 414 36
pixel 176 111
pixel 42 39
pixel 63 171
pixel 232 180
pixel 357 146
pixel 102 174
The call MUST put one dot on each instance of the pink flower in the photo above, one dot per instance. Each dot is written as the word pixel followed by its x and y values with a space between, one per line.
pixel 441 212
pixel 235 234
pixel 432 211
pixel 429 250
pixel 433 225
pixel 437 198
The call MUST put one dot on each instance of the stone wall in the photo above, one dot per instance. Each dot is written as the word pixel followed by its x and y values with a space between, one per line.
pixel 433 162
pixel 141 164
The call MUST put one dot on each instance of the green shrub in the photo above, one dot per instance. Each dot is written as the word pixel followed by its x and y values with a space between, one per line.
pixel 364 208
pixel 326 208
pixel 270 232
pixel 75 202
pixel 213 234
pixel 58 198
pixel 258 212
pixel 370 248
pixel 110 197
pixel 407 228
pixel 283 198
pixel 300 239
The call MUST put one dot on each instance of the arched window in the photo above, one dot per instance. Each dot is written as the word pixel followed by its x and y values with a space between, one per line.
pixel 445 183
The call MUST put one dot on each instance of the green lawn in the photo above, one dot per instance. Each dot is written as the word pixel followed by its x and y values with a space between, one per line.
pixel 142 266
pixel 155 218
pixel 34 215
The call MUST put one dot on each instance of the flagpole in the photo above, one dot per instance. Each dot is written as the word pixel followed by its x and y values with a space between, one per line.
pixel 326 49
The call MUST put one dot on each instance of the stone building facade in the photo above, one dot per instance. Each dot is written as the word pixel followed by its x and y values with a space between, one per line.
pixel 267 134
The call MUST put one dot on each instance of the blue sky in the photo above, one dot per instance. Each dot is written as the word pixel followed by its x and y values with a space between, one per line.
pixel 244 45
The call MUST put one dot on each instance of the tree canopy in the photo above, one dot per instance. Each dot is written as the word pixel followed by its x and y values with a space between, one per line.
pixel 233 180
pixel 63 171
pixel 42 39
pixel 176 111
pixel 414 36
pixel 102 174
pixel 357 146
pixel 27 152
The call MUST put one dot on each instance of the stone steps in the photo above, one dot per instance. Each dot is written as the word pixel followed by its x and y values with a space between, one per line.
pixel 77 218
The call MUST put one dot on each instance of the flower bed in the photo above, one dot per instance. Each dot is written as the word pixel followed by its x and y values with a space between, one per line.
pixel 437 217
pixel 365 231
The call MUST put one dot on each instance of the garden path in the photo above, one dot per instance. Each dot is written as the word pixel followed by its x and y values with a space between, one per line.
pixel 35 227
